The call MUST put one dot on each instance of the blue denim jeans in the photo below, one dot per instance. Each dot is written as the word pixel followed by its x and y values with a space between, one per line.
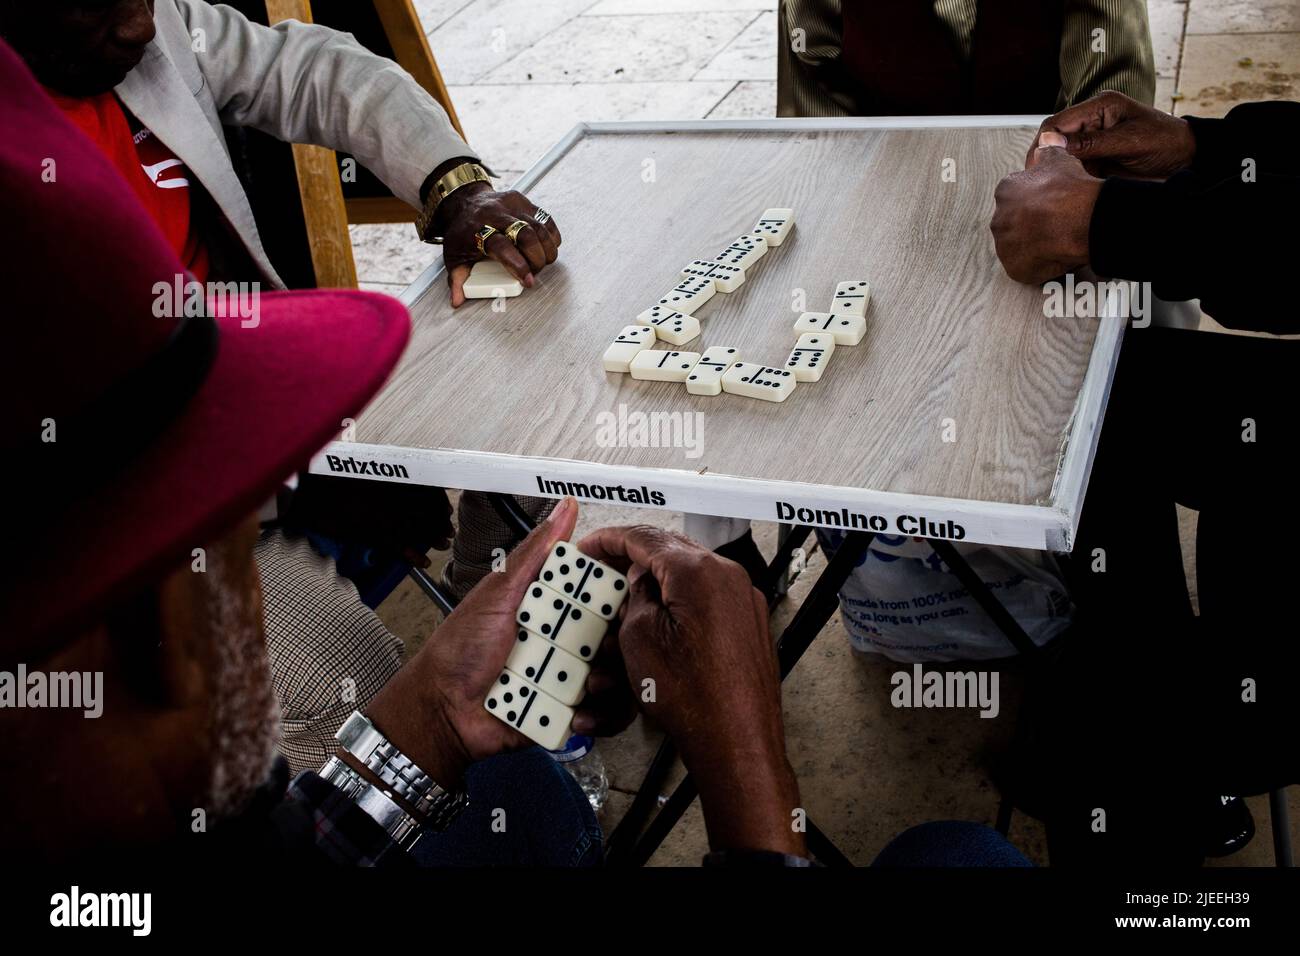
pixel 950 843
pixel 524 810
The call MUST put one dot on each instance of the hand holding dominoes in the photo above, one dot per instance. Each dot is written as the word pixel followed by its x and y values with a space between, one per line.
pixel 699 635
pixel 701 632
pixel 561 622
pixel 432 709
pixel 527 239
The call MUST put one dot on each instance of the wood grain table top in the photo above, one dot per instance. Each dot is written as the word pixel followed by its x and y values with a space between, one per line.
pixel 954 348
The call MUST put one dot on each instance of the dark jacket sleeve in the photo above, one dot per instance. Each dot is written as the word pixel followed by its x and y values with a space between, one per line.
pixel 1268 133
pixel 1223 231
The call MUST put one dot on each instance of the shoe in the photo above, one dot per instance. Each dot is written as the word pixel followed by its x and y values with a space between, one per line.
pixel 1228 827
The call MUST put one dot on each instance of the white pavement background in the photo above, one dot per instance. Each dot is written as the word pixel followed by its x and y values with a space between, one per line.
pixel 523 72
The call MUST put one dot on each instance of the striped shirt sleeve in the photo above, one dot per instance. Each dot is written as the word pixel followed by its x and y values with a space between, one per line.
pixel 1106 45
pixel 808 46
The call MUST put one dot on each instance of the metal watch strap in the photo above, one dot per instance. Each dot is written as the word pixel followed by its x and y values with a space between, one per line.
pixel 403 828
pixel 448 183
pixel 359 737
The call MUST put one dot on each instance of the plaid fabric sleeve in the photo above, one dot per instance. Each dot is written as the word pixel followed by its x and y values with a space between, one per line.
pixel 329 653
pixel 481 535
pixel 343 832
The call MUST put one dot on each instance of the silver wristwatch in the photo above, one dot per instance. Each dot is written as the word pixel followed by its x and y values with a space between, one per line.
pixel 378 804
pixel 359 737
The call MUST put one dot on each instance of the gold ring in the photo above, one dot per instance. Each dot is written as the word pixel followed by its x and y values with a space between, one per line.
pixel 513 230
pixel 482 236
pixel 541 216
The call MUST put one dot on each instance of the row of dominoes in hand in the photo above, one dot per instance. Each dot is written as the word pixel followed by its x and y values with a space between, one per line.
pixel 718 368
pixel 562 620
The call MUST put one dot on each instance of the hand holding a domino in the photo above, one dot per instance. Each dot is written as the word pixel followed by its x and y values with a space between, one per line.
pixel 432 709
pixel 473 206
pixel 1042 216
pixel 695 633
pixel 1112 134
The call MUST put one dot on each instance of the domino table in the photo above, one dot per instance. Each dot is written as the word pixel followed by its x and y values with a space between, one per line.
pixel 964 415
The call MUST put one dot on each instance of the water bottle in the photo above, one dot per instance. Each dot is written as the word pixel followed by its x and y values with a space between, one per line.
pixel 579 757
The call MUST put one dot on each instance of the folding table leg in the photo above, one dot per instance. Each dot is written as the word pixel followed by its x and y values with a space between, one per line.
pixel 821 601
pixel 446 603
pixel 1281 828
pixel 516 519
pixel 792 537
pixel 821 847
pixel 1006 807
pixel 799 634
pixel 1008 625
pixel 621 842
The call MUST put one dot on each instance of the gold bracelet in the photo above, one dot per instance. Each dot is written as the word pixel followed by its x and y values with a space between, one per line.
pixel 458 176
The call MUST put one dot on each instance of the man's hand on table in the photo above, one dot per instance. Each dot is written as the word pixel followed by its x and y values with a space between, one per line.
pixel 1042 216
pixel 695 626
pixel 467 210
pixel 432 709
pixel 1114 135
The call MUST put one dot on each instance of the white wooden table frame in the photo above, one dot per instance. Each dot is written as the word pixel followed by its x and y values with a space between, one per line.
pixel 1049 526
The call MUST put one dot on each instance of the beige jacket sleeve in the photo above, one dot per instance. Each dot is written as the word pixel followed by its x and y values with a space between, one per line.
pixel 305 83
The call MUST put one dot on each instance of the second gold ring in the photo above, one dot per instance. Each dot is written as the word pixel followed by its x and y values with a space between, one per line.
pixel 482 236
pixel 513 230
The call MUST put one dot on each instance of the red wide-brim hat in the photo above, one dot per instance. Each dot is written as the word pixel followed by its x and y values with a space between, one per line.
pixel 104 519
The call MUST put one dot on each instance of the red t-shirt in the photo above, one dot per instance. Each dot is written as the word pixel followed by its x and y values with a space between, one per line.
pixel 159 179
